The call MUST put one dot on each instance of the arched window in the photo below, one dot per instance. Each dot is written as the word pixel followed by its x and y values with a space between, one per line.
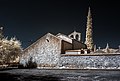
pixel 71 36
pixel 77 37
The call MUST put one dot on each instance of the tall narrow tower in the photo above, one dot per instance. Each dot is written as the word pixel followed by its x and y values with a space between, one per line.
pixel 89 39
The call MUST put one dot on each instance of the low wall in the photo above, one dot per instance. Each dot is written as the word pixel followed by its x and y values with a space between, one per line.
pixel 102 61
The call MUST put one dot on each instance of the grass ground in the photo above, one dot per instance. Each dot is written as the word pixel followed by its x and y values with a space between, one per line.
pixel 59 75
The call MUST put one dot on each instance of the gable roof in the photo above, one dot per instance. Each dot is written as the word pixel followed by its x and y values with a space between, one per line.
pixel 74 32
pixel 64 37
pixel 34 43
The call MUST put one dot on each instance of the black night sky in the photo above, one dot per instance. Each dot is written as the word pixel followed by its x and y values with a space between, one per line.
pixel 28 20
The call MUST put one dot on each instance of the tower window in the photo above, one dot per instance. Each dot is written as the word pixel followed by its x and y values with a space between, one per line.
pixel 71 36
pixel 77 37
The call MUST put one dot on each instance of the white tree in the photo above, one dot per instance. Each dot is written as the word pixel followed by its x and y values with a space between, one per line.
pixel 10 50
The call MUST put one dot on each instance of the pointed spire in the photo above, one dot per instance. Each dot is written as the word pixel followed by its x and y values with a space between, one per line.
pixel 89 39
pixel 89 12
pixel 94 48
pixel 107 46
pixel 99 48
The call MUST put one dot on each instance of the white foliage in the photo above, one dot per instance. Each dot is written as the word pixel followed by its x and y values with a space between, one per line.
pixel 9 49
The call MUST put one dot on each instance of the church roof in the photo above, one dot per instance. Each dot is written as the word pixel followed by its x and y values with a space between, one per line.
pixel 64 37
pixel 34 43
pixel 75 32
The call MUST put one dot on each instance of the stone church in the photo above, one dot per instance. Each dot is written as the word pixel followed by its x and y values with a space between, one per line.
pixel 68 50
pixel 47 49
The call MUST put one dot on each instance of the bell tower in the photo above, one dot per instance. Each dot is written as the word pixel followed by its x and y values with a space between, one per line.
pixel 89 39
pixel 75 35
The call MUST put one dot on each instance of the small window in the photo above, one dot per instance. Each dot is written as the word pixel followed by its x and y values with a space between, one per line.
pixel 47 40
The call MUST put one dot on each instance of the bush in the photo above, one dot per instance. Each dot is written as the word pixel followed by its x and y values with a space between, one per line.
pixel 21 66
pixel 31 64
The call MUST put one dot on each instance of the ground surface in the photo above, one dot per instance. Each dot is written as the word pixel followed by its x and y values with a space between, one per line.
pixel 59 75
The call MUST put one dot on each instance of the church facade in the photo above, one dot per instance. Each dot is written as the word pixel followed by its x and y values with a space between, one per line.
pixel 56 51
pixel 47 50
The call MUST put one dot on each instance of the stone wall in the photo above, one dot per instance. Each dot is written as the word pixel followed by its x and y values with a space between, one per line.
pixel 45 51
pixel 90 62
